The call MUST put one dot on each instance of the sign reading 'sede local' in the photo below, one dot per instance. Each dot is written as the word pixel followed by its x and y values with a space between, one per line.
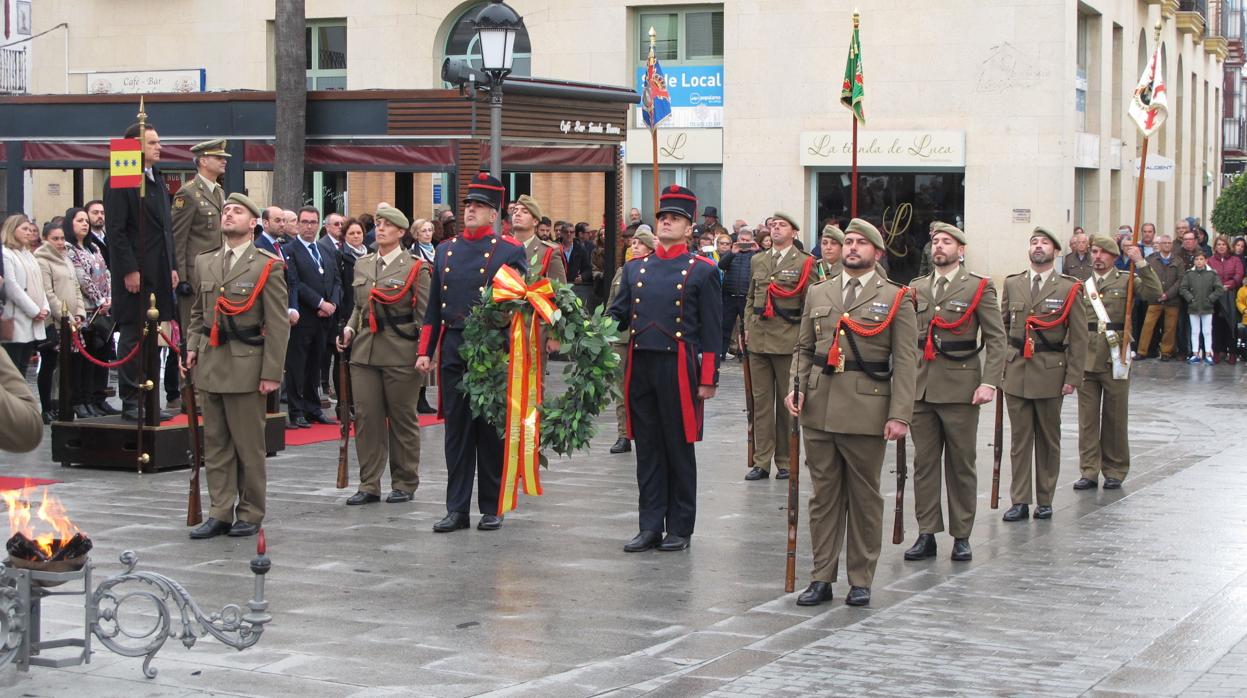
pixel 696 96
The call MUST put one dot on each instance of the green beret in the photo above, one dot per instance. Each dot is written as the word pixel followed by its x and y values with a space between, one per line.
pixel 791 221
pixel 242 200
pixel 952 230
pixel 866 230
pixel 394 216
pixel 1106 243
pixel 1040 230
pixel 646 238
pixel 530 203
pixel 831 231
pixel 216 147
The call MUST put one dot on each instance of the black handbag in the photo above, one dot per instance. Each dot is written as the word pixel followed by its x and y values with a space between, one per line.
pixel 99 331
pixel 52 341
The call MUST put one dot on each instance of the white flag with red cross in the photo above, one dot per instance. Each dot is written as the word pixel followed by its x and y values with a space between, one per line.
pixel 1150 105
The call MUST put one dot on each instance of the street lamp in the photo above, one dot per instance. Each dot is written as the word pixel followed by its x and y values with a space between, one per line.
pixel 496 27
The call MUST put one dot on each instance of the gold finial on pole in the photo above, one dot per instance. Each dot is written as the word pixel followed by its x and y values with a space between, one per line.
pixel 153 313
pixel 653 39
pixel 1159 24
pixel 857 18
pixel 142 116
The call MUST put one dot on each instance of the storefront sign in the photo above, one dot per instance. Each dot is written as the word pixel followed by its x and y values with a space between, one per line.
pixel 147 82
pixel 696 96
pixel 1159 168
pixel 884 148
pixel 590 127
pixel 1021 215
pixel 676 146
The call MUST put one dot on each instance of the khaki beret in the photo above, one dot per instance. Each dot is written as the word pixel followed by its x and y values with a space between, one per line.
pixel 394 216
pixel 645 237
pixel 216 147
pixel 866 230
pixel 242 200
pixel 954 231
pixel 791 221
pixel 1040 230
pixel 530 203
pixel 833 232
pixel 1106 243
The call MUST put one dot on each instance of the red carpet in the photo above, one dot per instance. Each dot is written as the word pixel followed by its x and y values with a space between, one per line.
pixel 17 483
pixel 319 432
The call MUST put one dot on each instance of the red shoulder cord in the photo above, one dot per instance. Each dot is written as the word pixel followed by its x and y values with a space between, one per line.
pixel 378 296
pixel 939 323
pixel 1034 323
pixel 774 289
pixel 545 262
pixel 227 307
pixel 862 329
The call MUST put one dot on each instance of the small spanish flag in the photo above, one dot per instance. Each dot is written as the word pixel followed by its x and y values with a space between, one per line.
pixel 125 157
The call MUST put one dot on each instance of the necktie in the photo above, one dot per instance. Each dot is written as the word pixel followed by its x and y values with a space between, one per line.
pixel 315 255
pixel 850 294
pixel 1035 284
pixel 941 285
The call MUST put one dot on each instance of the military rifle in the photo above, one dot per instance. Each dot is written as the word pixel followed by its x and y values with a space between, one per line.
pixel 898 522
pixel 744 355
pixel 998 439
pixel 794 490
pixel 194 509
pixel 344 417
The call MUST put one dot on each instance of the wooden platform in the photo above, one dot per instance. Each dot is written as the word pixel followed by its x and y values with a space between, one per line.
pixel 109 442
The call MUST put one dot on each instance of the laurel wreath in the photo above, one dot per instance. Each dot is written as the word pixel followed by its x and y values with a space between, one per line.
pixel 592 370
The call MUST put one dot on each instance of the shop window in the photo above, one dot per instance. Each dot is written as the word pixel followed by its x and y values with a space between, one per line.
pixel 462 44
pixel 901 204
pixel 325 41
pixel 687 36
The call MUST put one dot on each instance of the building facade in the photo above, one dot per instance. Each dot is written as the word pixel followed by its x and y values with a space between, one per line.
pixel 994 116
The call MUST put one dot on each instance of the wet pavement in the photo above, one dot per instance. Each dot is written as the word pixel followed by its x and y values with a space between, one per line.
pixel 1137 592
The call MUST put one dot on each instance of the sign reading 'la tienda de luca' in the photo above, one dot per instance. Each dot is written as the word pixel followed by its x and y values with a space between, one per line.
pixel 912 149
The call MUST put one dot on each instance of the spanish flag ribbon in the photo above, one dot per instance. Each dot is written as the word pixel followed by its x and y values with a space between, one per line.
pixel 125 163
pixel 522 442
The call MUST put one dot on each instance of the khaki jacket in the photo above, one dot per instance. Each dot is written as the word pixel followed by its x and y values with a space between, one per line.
pixel 23 428
pixel 853 402
pixel 1043 374
pixel 196 224
pixel 389 346
pixel 1147 288
pixel 237 366
pixel 777 334
pixel 536 249
pixel 956 372
pixel 60 283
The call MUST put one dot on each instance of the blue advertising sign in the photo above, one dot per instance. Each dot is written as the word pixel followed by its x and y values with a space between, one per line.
pixel 690 85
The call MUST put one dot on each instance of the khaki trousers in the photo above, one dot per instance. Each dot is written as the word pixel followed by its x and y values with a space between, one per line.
pixel 387 425
pixel 945 439
pixel 621 410
pixel 844 474
pixel 771 421
pixel 1035 430
pixel 1168 338
pixel 1103 415
pixel 233 428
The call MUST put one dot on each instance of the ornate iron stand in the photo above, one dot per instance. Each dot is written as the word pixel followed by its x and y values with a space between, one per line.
pixel 170 613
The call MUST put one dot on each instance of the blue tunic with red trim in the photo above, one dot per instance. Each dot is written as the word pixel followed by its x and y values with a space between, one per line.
pixel 672 302
pixel 463 268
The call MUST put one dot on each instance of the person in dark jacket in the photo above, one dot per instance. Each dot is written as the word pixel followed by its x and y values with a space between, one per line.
pixel 141 265
pixel 735 268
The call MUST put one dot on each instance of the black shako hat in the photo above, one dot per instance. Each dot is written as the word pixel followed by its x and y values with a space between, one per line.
pixel 486 190
pixel 679 200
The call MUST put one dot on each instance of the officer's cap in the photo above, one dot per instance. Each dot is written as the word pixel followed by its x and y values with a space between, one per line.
pixel 1040 230
pixel 216 147
pixel 394 216
pixel 530 203
pixel 486 190
pixel 833 232
pixel 954 231
pixel 678 200
pixel 791 221
pixel 866 230
pixel 1106 243
pixel 244 201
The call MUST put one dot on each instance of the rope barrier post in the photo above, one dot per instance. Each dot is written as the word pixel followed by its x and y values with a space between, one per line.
pixel 65 398
pixel 151 366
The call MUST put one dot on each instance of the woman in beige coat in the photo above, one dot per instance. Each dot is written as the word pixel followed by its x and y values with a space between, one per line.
pixel 61 288
pixel 25 307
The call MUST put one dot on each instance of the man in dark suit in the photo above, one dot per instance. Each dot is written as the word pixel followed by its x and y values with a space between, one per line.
pixel 140 265
pixel 578 263
pixel 319 294
pixel 95 216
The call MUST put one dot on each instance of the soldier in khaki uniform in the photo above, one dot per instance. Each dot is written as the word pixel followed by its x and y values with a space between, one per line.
pixel 831 243
pixel 196 212
pixel 237 342
pixel 642 245
pixel 778 281
pixel 1047 326
pixel 961 345
pixel 856 357
pixel 391 290
pixel 1103 401
pixel 545 259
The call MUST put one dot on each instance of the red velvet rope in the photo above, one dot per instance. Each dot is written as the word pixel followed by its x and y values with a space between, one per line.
pixel 105 364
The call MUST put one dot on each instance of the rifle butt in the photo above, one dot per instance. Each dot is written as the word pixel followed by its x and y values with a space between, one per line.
pixel 344 419
pixel 998 450
pixel 898 521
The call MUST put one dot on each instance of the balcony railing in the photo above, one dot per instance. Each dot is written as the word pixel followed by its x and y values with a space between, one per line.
pixel 1200 6
pixel 1233 135
pixel 14 71
pixel 1232 21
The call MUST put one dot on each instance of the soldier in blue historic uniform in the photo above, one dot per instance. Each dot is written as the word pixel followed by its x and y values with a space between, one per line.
pixel 671 305
pixel 463 268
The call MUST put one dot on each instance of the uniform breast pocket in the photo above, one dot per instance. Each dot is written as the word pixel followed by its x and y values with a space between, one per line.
pixel 359 290
pixel 870 386
pixel 821 316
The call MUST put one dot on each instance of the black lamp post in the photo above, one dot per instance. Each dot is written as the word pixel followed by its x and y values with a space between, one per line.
pixel 496 27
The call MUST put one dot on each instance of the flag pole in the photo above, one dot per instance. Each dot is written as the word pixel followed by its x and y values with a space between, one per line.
pixel 653 127
pixel 1134 233
pixel 853 115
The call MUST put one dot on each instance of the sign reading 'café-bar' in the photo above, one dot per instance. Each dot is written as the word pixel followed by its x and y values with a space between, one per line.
pixel 914 149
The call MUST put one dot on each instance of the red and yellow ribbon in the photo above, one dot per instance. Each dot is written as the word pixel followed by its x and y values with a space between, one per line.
pixel 522 443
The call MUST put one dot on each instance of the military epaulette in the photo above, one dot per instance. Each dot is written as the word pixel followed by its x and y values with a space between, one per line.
pixel 513 241
pixel 977 275
pixel 916 279
pixel 547 243
pixel 1075 279
pixel 895 283
pixel 268 254
pixel 823 281
pixel 707 260
pixel 1024 272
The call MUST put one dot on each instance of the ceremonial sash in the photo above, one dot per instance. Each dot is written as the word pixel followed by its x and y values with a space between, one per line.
pixel 939 323
pixel 376 295
pixel 225 306
pixel 1033 322
pixel 774 290
pixel 1121 369
pixel 835 358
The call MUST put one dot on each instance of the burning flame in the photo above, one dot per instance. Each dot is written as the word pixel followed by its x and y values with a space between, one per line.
pixel 50 512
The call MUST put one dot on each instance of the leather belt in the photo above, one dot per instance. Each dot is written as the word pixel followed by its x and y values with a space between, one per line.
pixel 1114 326
pixel 1039 346
pixel 247 335
pixel 958 345
pixel 866 366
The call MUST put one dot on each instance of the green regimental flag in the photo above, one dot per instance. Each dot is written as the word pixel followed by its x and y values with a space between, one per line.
pixel 854 87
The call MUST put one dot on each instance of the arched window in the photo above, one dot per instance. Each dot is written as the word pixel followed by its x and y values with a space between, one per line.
pixel 461 43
